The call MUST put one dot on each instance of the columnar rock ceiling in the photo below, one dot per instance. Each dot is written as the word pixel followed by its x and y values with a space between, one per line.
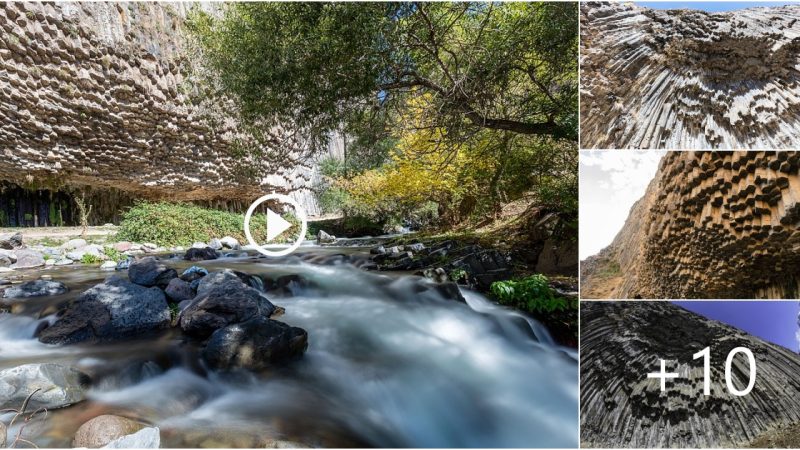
pixel 96 94
pixel 621 342
pixel 683 79
pixel 714 224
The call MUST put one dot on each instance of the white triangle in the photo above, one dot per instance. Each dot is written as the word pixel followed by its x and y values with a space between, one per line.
pixel 275 225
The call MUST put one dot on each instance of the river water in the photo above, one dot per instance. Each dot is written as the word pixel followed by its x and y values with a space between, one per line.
pixel 386 366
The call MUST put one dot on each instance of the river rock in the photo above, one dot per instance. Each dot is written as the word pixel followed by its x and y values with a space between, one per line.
pixel 222 303
pixel 113 310
pixel 215 243
pixel 200 254
pixel 5 260
pixel 108 265
pixel 103 429
pixel 59 386
pixel 11 241
pixel 230 242
pixel 123 246
pixel 64 262
pixel 149 437
pixel 199 245
pixel 193 273
pixel 75 255
pixel 74 244
pixel 178 290
pixel 27 259
pixel 254 344
pixel 36 288
pixel 149 271
pixel 325 238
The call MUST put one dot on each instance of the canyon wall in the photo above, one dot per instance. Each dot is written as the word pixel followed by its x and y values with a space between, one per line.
pixel 106 95
pixel 621 342
pixel 713 224
pixel 684 79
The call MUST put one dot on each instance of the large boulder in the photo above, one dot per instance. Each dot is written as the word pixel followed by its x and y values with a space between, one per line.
pixel 36 288
pixel 27 259
pixel 325 238
pixel 101 430
pixel 149 437
pixel 254 344
pixel 149 271
pixel 57 385
pixel 222 303
pixel 178 290
pixel 74 244
pixel 113 310
pixel 230 242
pixel 201 254
pixel 11 241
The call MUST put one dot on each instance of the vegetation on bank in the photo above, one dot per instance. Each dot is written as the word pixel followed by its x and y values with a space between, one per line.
pixel 182 224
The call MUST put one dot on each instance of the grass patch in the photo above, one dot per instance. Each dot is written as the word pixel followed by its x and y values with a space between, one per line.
pixel 610 269
pixel 90 259
pixel 172 224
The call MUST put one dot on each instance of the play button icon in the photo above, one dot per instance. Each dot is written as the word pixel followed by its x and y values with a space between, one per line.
pixel 276 225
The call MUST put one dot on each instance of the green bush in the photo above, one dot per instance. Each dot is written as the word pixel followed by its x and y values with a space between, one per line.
pixel 172 224
pixel 89 259
pixel 531 294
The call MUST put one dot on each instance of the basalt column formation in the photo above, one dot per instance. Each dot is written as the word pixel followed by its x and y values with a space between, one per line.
pixel 712 224
pixel 621 342
pixel 684 79
pixel 103 94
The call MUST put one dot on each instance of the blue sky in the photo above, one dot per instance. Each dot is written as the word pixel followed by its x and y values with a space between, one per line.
pixel 711 6
pixel 773 321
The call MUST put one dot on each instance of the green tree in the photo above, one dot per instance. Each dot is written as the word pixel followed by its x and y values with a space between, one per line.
pixel 321 66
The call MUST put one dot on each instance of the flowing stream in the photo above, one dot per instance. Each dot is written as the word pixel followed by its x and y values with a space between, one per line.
pixel 386 366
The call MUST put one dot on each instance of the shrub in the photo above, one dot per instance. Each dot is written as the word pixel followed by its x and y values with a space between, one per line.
pixel 532 294
pixel 172 224
pixel 114 254
pixel 88 258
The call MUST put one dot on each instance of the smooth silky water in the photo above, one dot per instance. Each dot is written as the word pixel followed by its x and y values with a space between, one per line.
pixel 385 366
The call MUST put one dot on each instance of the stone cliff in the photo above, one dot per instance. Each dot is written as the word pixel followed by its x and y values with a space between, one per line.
pixel 683 79
pixel 101 95
pixel 714 224
pixel 621 342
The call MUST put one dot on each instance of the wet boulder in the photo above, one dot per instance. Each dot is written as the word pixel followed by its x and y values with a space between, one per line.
pixel 222 303
pixel 230 242
pixel 255 344
pixel 193 273
pixel 36 288
pixel 114 310
pixel 149 437
pixel 27 259
pixel 101 430
pixel 149 271
pixel 11 241
pixel 57 385
pixel 325 238
pixel 201 254
pixel 178 290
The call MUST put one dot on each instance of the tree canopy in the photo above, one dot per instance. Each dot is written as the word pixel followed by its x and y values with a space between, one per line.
pixel 323 66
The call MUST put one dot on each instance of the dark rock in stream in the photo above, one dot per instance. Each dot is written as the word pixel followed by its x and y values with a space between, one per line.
pixel 255 344
pixel 178 290
pixel 58 386
pixel 114 310
pixel 201 254
pixel 149 271
pixel 222 300
pixel 36 288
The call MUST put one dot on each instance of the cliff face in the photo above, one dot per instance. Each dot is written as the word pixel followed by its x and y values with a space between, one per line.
pixel 100 94
pixel 621 342
pixel 712 224
pixel 684 79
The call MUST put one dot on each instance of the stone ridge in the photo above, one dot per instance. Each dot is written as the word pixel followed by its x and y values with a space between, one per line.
pixel 683 79
pixel 99 94
pixel 620 407
pixel 713 224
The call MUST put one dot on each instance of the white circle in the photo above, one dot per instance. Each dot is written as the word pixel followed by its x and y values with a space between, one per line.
pixel 300 215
